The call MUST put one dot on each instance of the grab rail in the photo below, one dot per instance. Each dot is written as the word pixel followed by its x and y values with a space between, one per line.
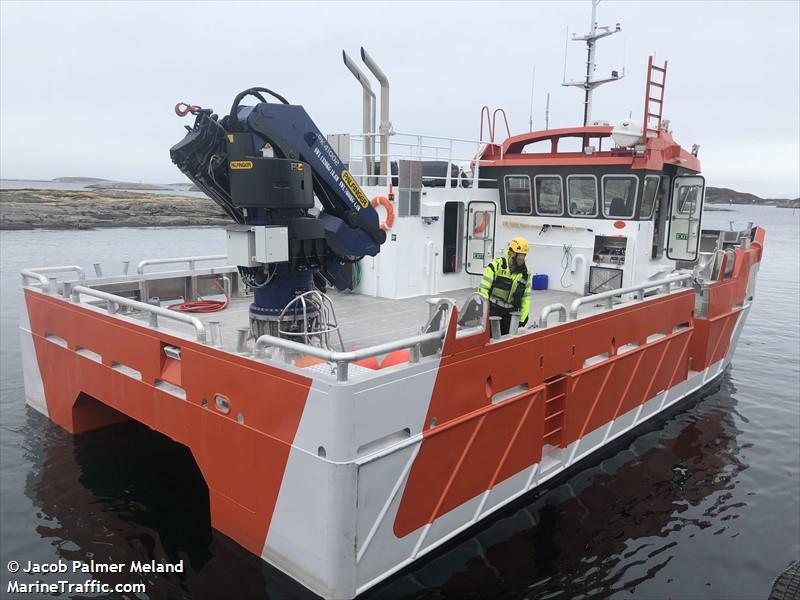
pixel 549 309
pixel 36 273
pixel 173 261
pixel 154 311
pixel 343 359
pixel 639 289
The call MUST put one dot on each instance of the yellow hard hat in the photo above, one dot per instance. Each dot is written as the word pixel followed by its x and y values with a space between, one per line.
pixel 519 245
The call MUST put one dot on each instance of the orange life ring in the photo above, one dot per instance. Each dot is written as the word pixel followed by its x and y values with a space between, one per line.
pixel 385 203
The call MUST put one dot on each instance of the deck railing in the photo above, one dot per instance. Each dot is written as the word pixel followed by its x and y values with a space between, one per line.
pixel 412 146
pixel 342 360
pixel 46 283
pixel 113 302
pixel 190 260
pixel 665 284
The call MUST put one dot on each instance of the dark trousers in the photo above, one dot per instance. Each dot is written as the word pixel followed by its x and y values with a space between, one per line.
pixel 496 310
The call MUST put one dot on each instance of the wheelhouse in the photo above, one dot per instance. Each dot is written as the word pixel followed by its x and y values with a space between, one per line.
pixel 616 183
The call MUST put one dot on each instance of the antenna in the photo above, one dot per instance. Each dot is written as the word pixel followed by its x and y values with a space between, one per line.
pixel 533 80
pixel 547 113
pixel 588 84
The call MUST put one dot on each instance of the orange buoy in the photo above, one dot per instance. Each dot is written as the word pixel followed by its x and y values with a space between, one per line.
pixel 307 361
pixel 398 357
pixel 369 363
pixel 386 225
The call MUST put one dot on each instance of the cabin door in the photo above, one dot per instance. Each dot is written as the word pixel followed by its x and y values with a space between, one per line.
pixel 686 210
pixel 480 235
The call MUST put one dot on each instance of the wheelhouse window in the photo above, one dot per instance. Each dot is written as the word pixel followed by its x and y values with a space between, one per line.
pixel 549 196
pixel 619 196
pixel 651 183
pixel 582 195
pixel 518 194
pixel 688 198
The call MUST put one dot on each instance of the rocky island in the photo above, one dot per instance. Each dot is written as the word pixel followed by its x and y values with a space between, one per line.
pixel 90 208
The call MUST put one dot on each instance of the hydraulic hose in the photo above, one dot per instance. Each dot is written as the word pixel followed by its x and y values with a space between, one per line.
pixel 253 91
pixel 204 306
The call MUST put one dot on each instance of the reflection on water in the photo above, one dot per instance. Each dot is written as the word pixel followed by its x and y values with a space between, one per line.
pixel 604 528
pixel 702 503
pixel 127 493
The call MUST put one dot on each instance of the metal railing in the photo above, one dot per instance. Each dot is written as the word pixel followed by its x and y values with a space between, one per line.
pixel 37 274
pixel 413 146
pixel 191 260
pixel 639 290
pixel 551 308
pixel 113 302
pixel 343 359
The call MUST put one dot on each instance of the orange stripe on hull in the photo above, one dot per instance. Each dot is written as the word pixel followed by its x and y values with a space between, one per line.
pixel 451 467
pixel 243 463
pixel 459 458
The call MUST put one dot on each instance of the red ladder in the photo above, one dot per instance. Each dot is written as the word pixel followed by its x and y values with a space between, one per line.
pixel 654 105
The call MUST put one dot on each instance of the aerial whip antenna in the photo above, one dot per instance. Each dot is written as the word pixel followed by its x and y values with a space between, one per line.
pixel 533 81
pixel 547 113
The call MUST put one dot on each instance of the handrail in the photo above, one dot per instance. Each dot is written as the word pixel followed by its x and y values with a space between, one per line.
pixel 28 274
pixel 183 259
pixel 639 289
pixel 36 273
pixel 396 134
pixel 154 311
pixel 549 309
pixel 342 359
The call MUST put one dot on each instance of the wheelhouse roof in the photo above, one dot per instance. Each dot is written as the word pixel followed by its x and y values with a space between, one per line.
pixel 657 153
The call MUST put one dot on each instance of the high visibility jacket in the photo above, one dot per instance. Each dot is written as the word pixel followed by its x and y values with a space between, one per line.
pixel 504 288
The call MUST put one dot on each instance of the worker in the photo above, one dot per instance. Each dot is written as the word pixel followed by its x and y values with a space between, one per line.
pixel 507 285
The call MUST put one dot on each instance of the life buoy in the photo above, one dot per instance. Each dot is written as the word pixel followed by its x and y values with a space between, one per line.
pixel 385 203
pixel 481 222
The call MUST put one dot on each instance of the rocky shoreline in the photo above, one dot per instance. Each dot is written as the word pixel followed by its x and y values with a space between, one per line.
pixel 88 209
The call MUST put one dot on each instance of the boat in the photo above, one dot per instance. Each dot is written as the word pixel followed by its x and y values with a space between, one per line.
pixel 345 391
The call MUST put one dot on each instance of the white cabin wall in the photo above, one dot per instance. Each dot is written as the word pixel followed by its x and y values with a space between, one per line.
pixel 411 264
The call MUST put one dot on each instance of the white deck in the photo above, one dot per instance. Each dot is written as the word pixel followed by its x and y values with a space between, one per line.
pixel 363 320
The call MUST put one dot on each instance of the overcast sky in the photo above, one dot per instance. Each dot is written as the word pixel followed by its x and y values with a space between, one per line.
pixel 88 89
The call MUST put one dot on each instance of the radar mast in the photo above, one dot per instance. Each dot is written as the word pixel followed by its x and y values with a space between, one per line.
pixel 589 83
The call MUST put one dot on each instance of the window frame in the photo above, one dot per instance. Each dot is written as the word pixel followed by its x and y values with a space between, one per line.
pixel 536 195
pixel 530 194
pixel 682 206
pixel 655 196
pixel 635 195
pixel 596 197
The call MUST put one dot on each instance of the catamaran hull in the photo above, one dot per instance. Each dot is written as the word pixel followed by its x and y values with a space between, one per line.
pixel 342 484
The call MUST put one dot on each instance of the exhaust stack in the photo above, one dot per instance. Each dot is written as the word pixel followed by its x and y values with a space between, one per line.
pixel 367 115
pixel 385 124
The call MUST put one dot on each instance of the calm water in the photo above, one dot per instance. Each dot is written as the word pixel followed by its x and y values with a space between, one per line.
pixel 702 504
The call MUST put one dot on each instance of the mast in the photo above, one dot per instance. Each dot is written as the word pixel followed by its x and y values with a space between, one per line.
pixel 588 84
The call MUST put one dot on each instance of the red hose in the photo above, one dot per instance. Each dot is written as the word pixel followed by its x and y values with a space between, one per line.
pixel 204 306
